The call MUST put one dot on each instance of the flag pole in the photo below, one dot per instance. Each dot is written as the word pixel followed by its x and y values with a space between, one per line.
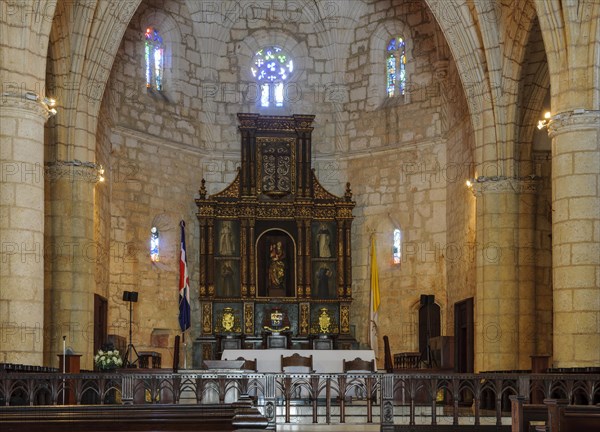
pixel 184 294
pixel 374 297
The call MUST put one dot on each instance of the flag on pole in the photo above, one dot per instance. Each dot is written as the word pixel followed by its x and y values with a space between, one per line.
pixel 374 301
pixel 184 285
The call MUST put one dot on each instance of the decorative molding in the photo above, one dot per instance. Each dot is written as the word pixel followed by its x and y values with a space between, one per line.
pixel 248 318
pixel 345 318
pixel 573 121
pixel 27 105
pixel 73 170
pixel 485 185
pixel 206 318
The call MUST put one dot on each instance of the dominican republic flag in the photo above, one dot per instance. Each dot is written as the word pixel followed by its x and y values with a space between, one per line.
pixel 184 285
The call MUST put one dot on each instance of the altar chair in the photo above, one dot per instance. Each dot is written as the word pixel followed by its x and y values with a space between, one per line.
pixel 293 387
pixel 297 363
pixel 249 365
pixel 357 385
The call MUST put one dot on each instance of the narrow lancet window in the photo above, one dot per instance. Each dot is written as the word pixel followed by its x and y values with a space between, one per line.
pixel 154 245
pixel 397 249
pixel 155 58
pixel 395 65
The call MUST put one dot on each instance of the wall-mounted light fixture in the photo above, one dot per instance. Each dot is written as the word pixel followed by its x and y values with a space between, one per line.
pixel 544 123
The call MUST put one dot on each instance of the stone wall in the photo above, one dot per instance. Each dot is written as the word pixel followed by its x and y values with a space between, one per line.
pixel 195 116
pixel 459 251
pixel 391 193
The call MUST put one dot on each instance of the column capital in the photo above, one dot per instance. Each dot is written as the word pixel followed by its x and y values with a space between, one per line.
pixel 25 104
pixel 74 170
pixel 490 185
pixel 572 121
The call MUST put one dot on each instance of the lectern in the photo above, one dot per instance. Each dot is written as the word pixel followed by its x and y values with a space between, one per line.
pixel 70 363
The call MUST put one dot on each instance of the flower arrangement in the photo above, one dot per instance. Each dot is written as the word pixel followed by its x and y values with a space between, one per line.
pixel 108 360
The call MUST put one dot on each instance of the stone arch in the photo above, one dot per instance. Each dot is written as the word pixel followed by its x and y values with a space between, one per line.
pixel 83 56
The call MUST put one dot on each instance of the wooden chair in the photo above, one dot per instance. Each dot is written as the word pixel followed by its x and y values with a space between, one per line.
pixel 357 365
pixel 297 363
pixel 292 388
pixel 249 365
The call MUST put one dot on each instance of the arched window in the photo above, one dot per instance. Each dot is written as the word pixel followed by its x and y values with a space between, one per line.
pixel 271 67
pixel 397 248
pixel 395 64
pixel 155 59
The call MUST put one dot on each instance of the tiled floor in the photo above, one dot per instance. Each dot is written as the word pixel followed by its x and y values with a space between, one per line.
pixel 327 428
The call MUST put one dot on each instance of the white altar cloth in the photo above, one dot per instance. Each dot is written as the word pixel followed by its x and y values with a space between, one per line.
pixel 326 361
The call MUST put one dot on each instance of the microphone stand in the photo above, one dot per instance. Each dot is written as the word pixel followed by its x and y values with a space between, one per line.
pixel 64 364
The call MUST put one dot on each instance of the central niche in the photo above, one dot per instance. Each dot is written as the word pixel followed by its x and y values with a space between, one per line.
pixel 276 264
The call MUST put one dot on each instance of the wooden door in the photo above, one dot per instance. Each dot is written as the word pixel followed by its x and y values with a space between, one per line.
pixel 464 352
pixel 429 326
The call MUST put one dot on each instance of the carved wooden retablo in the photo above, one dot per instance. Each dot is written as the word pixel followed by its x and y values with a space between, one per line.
pixel 275 238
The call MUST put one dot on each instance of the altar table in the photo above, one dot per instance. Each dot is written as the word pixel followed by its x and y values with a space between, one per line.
pixel 326 361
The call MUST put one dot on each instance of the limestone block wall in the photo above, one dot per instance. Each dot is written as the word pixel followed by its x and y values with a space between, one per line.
pixel 460 248
pixel 543 256
pixel 154 183
pixel 390 194
pixel 340 78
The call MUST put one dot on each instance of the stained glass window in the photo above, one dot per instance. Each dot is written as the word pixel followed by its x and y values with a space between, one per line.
pixel 397 249
pixel 154 245
pixel 155 55
pixel 271 67
pixel 395 66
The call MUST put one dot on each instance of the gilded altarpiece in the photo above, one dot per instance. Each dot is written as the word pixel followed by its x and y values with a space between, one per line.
pixel 274 243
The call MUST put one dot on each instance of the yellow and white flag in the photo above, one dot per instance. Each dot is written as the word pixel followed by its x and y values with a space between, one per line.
pixel 375 300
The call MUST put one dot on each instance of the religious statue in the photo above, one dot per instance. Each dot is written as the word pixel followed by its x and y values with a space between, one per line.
pixel 226 243
pixel 324 242
pixel 276 272
pixel 323 275
pixel 227 280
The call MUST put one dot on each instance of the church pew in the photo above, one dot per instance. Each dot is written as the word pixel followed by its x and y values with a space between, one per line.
pixel 157 417
pixel 571 418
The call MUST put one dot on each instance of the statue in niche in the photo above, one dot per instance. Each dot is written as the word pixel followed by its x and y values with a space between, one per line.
pixel 324 242
pixel 324 275
pixel 226 243
pixel 227 280
pixel 276 273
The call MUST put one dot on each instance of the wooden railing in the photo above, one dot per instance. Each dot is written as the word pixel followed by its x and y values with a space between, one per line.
pixel 388 399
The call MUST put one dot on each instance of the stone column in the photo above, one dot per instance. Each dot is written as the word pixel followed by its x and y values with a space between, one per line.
pixel 576 237
pixel 22 121
pixel 72 257
pixel 505 289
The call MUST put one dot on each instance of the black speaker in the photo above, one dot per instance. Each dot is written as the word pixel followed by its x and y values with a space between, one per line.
pixel 130 296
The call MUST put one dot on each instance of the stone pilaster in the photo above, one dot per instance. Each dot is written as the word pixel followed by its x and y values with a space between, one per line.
pixel 505 290
pixel 72 255
pixel 576 237
pixel 22 121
